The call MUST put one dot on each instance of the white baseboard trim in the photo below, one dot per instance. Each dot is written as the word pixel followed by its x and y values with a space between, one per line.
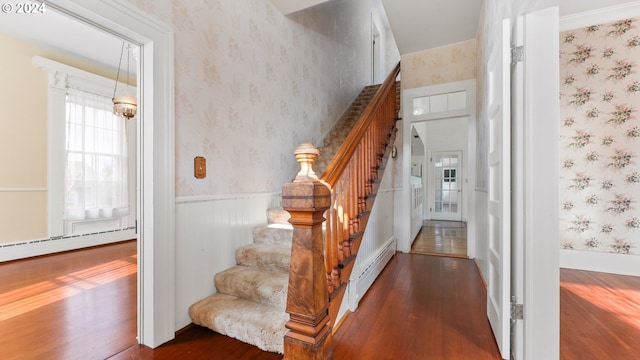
pixel 363 277
pixel 31 248
pixel 600 261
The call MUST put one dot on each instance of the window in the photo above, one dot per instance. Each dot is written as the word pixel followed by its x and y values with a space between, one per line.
pixel 91 177
pixel 96 163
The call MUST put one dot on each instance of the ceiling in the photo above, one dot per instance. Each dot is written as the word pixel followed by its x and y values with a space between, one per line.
pixel 425 24
pixel 419 25
pixel 68 37
pixel 416 25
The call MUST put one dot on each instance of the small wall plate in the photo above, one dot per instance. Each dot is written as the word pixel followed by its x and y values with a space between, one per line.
pixel 200 167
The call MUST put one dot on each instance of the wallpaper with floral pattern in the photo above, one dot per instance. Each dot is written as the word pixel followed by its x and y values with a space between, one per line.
pixel 444 64
pixel 600 137
pixel 252 84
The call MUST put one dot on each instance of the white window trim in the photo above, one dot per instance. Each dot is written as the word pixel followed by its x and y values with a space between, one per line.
pixel 60 78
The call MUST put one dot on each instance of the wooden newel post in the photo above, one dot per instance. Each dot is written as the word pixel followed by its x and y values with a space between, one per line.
pixel 306 199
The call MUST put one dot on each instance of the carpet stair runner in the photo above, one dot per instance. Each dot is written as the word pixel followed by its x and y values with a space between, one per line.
pixel 252 296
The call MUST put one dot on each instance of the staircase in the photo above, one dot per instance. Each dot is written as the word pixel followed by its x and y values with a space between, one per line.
pixel 252 296
pixel 341 129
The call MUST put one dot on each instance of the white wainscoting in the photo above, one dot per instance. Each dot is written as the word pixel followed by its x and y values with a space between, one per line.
pixel 620 264
pixel 209 229
pixel 378 246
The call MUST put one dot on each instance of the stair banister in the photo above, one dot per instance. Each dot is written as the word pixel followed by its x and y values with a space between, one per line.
pixel 320 268
pixel 306 199
pixel 352 176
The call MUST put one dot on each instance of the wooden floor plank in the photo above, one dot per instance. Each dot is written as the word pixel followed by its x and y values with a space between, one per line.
pixel 56 307
pixel 421 307
pixel 599 315
pixel 82 305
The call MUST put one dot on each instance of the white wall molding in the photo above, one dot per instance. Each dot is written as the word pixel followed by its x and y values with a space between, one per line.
pixel 37 247
pixel 600 16
pixel 23 189
pixel 612 263
pixel 199 198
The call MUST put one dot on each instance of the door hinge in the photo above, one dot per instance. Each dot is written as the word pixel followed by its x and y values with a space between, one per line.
pixel 517 54
pixel 517 311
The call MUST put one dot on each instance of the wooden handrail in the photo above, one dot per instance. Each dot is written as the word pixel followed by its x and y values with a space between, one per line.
pixel 320 266
pixel 352 175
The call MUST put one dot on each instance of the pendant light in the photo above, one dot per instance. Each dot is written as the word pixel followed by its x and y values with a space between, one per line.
pixel 124 105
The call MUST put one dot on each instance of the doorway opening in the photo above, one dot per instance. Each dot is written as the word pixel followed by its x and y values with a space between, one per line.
pixel 89 193
pixel 155 155
pixel 438 170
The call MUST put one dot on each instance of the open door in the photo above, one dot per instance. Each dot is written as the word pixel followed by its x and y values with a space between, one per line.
pixel 499 272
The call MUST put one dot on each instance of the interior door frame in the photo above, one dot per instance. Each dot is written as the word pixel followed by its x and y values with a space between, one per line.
pixel 499 188
pixel 540 174
pixel 403 216
pixel 432 183
pixel 156 153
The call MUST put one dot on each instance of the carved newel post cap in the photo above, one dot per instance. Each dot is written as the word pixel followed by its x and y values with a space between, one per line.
pixel 306 154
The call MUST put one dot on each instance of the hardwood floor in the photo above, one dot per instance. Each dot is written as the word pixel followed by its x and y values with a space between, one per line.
pixel 441 238
pixel 82 305
pixel 75 305
pixel 421 307
pixel 599 316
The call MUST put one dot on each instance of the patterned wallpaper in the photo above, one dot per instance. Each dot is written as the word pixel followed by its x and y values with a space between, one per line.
pixel 440 65
pixel 252 84
pixel 600 137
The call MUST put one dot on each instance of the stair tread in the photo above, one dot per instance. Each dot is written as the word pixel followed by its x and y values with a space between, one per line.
pixel 265 256
pixel 268 287
pixel 255 323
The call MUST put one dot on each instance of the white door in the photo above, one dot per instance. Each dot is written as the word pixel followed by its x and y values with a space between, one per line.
pixel 499 272
pixel 446 189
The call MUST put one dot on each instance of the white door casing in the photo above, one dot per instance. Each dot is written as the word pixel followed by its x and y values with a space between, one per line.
pixel 540 185
pixel 156 174
pixel 450 100
pixel 499 222
pixel 517 206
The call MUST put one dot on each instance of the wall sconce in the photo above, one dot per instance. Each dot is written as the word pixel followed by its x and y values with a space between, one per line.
pixel 124 105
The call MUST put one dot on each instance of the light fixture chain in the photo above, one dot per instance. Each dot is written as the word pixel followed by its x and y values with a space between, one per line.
pixel 118 73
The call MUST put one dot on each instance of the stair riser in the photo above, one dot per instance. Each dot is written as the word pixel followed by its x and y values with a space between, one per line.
pixel 263 258
pixel 266 287
pixel 272 235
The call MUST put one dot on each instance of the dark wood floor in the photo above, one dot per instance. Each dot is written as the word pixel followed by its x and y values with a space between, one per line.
pixel 421 307
pixel 81 305
pixel 599 316
pixel 76 305
pixel 442 238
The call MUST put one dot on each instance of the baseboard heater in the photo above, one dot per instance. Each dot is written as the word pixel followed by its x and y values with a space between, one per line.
pixel 362 281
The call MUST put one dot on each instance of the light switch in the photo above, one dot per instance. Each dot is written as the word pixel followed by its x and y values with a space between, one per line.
pixel 200 167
